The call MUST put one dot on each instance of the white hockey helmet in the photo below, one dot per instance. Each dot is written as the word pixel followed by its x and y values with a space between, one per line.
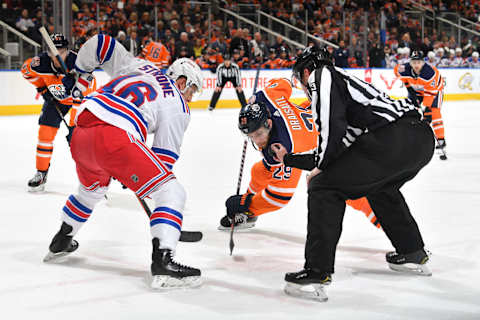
pixel 452 52
pixel 406 50
pixel 475 54
pixel 187 68
pixel 458 49
pixel 430 55
pixel 441 50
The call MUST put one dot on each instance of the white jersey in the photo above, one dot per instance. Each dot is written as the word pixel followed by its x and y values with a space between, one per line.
pixel 457 62
pixel 473 64
pixel 139 99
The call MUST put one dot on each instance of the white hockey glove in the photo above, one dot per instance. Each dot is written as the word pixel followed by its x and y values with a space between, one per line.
pixel 84 81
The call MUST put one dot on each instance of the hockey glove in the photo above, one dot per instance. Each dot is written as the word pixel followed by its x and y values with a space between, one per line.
pixel 46 95
pixel 70 133
pixel 238 204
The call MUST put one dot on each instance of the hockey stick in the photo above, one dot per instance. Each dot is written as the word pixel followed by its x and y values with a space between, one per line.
pixel 242 163
pixel 185 236
pixel 63 67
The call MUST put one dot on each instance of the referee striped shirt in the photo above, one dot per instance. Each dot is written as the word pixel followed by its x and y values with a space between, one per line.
pixel 231 73
pixel 345 107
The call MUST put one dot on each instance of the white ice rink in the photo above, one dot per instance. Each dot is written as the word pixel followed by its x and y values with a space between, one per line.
pixel 108 276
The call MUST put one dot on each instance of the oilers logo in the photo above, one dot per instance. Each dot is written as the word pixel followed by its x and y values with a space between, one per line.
pixel 465 81
pixel 58 91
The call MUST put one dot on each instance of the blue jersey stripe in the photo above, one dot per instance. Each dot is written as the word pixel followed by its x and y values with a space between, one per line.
pixel 110 50
pixel 99 47
pixel 120 113
pixel 130 107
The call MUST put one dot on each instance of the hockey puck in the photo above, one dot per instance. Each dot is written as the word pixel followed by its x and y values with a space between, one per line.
pixel 239 259
pixel 443 157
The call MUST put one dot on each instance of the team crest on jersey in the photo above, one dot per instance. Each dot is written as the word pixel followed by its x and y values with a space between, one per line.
pixel 58 91
pixel 134 178
pixel 276 113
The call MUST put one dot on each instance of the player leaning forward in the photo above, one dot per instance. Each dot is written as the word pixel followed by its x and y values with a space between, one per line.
pixel 109 141
pixel 368 145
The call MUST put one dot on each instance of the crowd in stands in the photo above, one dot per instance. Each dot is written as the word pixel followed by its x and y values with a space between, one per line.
pixel 183 30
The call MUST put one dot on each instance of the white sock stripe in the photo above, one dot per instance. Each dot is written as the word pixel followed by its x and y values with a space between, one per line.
pixel 44 155
pixel 281 190
pixel 44 144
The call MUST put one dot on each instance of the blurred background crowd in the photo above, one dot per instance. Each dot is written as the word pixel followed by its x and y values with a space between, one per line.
pixel 360 33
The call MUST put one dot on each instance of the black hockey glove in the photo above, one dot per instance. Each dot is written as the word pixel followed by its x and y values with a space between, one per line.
pixel 46 95
pixel 69 81
pixel 69 135
pixel 238 204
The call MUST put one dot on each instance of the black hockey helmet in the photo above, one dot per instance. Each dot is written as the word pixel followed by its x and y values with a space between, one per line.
pixel 252 116
pixel 227 56
pixel 417 55
pixel 59 40
pixel 311 58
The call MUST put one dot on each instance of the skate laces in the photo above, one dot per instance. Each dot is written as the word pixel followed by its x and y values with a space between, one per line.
pixel 170 255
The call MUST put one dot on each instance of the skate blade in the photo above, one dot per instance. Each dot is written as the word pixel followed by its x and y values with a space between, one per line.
pixel 55 257
pixel 243 226
pixel 412 268
pixel 39 188
pixel 162 282
pixel 313 291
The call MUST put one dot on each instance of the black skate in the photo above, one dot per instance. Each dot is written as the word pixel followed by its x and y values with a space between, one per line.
pixel 414 262
pixel 441 149
pixel 61 245
pixel 242 221
pixel 307 284
pixel 37 183
pixel 169 274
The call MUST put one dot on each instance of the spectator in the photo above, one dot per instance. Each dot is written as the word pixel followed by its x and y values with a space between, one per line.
pixel 341 55
pixel 132 43
pixel 183 42
pixel 24 23
pixel 220 45
pixel 376 56
pixel 258 46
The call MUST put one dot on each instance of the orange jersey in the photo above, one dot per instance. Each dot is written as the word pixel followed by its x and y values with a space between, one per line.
pixel 272 182
pixel 41 73
pixel 427 85
pixel 157 53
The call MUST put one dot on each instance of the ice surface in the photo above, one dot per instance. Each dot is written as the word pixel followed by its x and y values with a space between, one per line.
pixel 108 276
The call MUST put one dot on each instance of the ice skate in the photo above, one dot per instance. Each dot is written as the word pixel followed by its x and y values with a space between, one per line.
pixel 441 149
pixel 414 263
pixel 307 284
pixel 61 245
pixel 242 221
pixel 37 183
pixel 168 274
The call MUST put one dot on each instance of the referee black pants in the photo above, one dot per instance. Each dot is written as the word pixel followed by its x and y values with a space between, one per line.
pixel 375 166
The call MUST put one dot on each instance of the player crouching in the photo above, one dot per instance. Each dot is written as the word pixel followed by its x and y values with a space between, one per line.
pixel 110 142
